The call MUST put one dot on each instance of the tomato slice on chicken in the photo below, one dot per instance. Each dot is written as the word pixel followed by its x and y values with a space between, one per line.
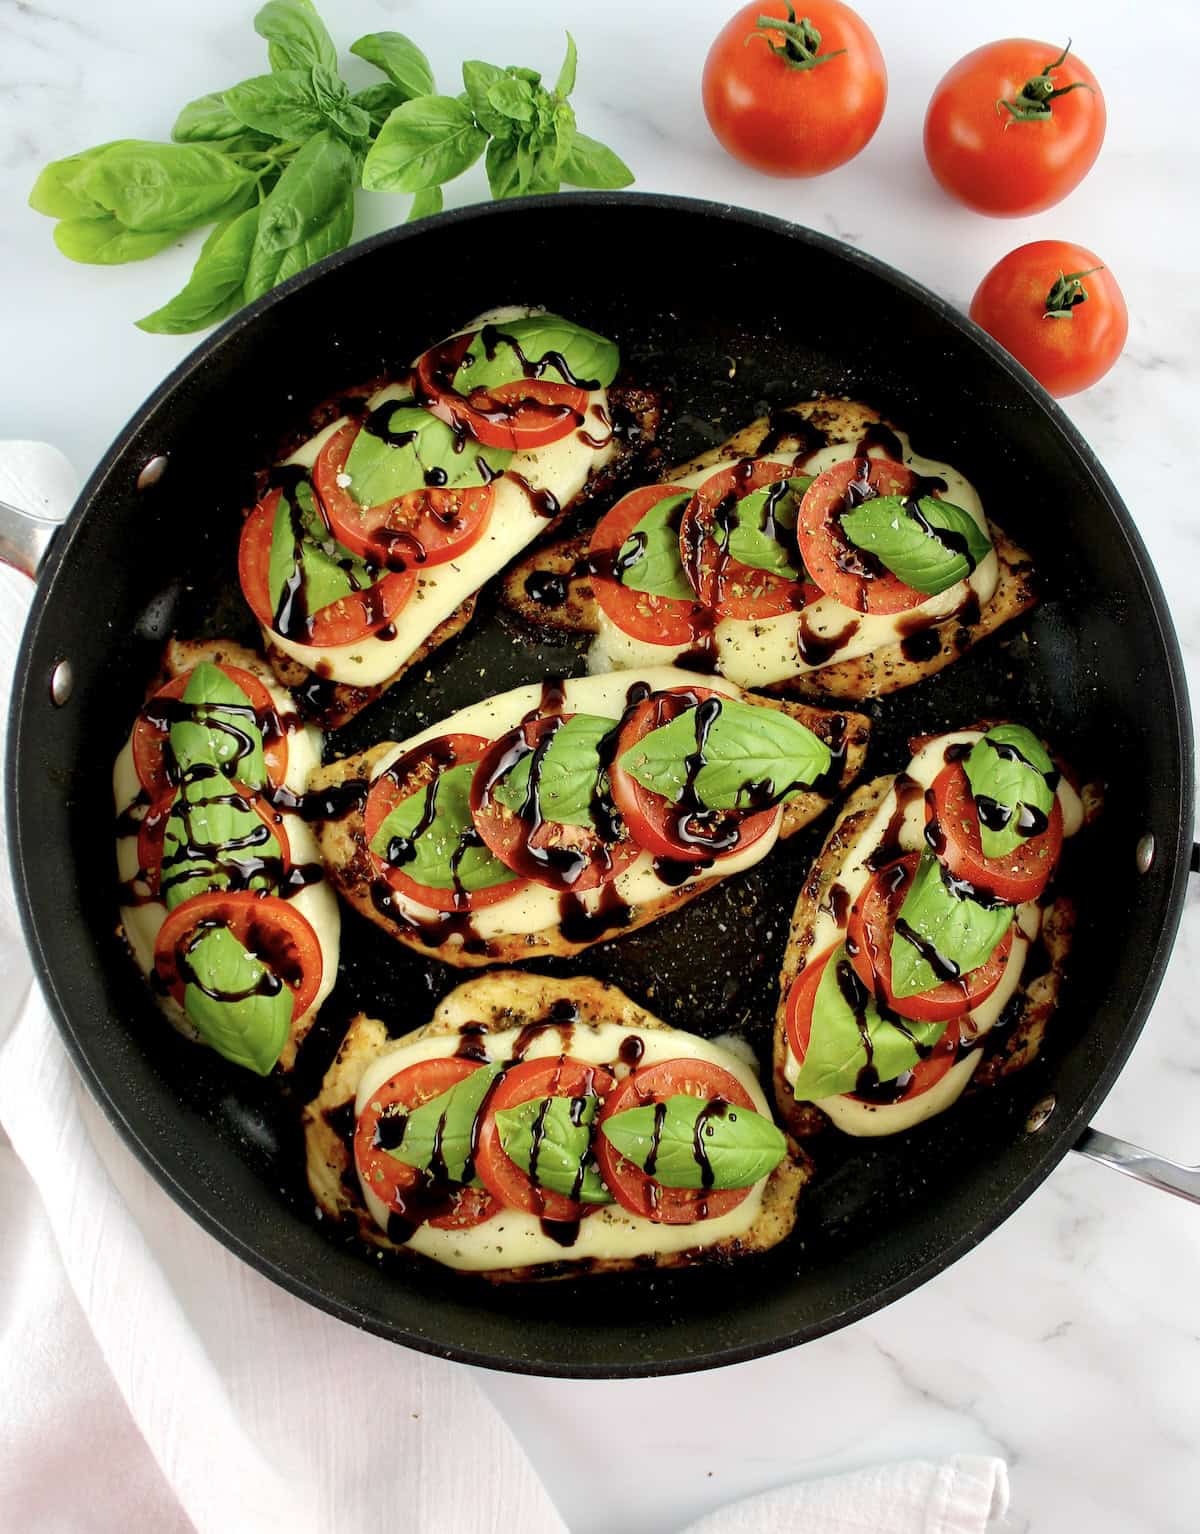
pixel 267 927
pixel 153 726
pixel 634 1189
pixel 850 575
pixel 730 588
pixel 346 621
pixel 424 528
pixel 407 1190
pixel 413 772
pixel 553 1076
pixel 524 414
pixel 153 829
pixel 953 829
pixel 925 1074
pixel 677 831
pixel 869 944
pixel 641 614
pixel 565 857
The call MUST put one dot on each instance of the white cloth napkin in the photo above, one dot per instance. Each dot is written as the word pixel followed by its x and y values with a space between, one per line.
pixel 150 1381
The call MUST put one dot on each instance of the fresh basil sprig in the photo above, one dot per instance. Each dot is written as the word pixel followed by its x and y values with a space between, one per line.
pixel 570 772
pixel 959 930
pixel 698 1144
pixel 450 835
pixel 751 541
pixel 381 471
pixel 1012 780
pixel 250 1030
pixel 649 558
pixel 439 1135
pixel 561 1128
pixel 837 1054
pixel 931 557
pixel 291 146
pixel 753 757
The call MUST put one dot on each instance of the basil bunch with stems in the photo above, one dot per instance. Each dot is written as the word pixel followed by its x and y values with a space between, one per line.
pixel 273 162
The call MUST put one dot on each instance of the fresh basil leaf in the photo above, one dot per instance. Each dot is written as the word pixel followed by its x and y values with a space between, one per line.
pixel 379 101
pixel 502 170
pixel 570 772
pixel 337 107
pixel 401 61
pixel 560 134
pixel 251 1030
pixel 214 840
pixel 157 187
pixel 222 730
pixel 1012 780
pixel 518 72
pixel 423 143
pixel 753 535
pixel 283 105
pixel 309 213
pixel 649 559
pixel 428 200
pixel 512 99
pixel 565 83
pixel 887 527
pixel 57 190
pixel 753 757
pixel 106 242
pixel 441 1131
pixel 380 471
pixel 214 289
pixel 837 1055
pixel 330 570
pixel 563 1130
pixel 449 844
pixel 205 120
pixel 959 930
pixel 295 34
pixel 541 339
pixel 592 164
pixel 690 1142
pixel 478 78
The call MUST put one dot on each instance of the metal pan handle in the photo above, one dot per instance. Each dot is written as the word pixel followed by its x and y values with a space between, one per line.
pixel 24 538
pixel 1122 1155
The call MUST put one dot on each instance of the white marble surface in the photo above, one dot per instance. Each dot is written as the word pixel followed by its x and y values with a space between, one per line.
pixel 1069 1342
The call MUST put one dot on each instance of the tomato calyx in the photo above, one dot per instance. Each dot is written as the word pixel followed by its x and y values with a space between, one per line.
pixel 1068 290
pixel 1032 101
pixel 801 45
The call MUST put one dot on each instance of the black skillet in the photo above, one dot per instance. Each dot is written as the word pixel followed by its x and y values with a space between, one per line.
pixel 732 312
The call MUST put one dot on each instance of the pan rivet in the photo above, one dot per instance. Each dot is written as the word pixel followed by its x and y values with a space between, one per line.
pixel 1145 853
pixel 152 472
pixel 1039 1114
pixel 62 681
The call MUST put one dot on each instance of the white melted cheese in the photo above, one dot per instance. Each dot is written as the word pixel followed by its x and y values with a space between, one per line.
pixel 512 1238
pixel 561 468
pixel 535 907
pixel 757 652
pixel 848 1113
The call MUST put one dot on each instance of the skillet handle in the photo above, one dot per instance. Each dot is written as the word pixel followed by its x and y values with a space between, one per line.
pixel 24 538
pixel 1155 1171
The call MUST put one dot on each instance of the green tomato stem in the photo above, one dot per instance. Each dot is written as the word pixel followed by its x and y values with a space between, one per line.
pixel 1032 101
pixel 1067 291
pixel 801 45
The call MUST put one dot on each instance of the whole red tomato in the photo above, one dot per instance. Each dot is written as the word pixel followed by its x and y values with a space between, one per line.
pixel 1058 310
pixel 795 96
pixel 1014 127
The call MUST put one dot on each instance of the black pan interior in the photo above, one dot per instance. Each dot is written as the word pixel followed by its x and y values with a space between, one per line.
pixel 732 313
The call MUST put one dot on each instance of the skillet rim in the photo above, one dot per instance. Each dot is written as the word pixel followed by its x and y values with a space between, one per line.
pixel 1054 1142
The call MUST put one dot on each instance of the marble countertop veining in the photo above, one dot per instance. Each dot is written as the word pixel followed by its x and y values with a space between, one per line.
pixel 1068 1342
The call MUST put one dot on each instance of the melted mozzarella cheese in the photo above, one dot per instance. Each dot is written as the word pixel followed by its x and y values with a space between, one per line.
pixel 535 907
pixel 757 652
pixel 561 468
pixel 513 1239
pixel 848 1113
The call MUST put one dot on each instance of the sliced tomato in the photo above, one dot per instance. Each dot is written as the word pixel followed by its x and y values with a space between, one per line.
pixel 406 1190
pixel 153 829
pixel 670 830
pixel 408 776
pixel 525 414
pixel 636 1190
pixel 565 857
pixel 852 577
pixel 346 621
pixel 653 619
pixel 553 1076
pixel 269 928
pixel 153 726
pixel 869 944
pixel 925 1074
pixel 424 528
pixel 730 588
pixel 1018 876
